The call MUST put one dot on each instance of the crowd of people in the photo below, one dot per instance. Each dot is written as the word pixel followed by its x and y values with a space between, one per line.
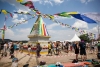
pixel 54 48
pixel 76 47
pixel 10 48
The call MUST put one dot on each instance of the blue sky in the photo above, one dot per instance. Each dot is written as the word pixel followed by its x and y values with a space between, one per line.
pixel 56 31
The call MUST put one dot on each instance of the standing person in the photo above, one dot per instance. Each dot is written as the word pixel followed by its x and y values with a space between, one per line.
pixel 10 43
pixel 21 47
pixel 53 47
pixel 92 47
pixel 76 47
pixel 49 49
pixel 2 47
pixel 17 48
pixel 12 50
pixel 5 48
pixel 29 49
pixel 38 49
pixel 82 45
pixel 59 47
pixel 67 46
pixel 64 43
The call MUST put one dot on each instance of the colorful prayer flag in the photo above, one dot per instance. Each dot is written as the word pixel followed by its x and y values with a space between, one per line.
pixel 83 18
pixel 66 14
pixel 19 0
pixel 28 4
pixel 4 11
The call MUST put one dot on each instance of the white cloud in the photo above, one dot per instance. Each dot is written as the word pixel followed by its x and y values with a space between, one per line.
pixel 15 16
pixel 86 1
pixel 49 1
pixel 19 6
pixel 23 33
pixel 61 34
pixel 93 15
pixel 8 34
pixel 20 10
pixel 58 1
pixel 18 21
pixel 80 24
pixel 51 26
pixel 94 30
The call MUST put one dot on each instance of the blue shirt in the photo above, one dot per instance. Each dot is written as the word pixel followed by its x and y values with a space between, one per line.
pixel 15 46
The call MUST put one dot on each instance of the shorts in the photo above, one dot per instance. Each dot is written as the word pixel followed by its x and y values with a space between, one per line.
pixel 17 48
pixel 82 52
pixel 29 49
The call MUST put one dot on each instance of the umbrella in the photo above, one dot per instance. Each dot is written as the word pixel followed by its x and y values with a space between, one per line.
pixel 83 18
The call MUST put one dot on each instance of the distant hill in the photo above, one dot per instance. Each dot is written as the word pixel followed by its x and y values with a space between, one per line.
pixel 8 40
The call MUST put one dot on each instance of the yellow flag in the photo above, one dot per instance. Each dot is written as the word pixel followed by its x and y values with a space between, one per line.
pixel 4 11
pixel 72 13
pixel 19 0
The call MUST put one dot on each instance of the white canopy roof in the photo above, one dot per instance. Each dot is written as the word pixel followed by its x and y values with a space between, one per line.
pixel 75 38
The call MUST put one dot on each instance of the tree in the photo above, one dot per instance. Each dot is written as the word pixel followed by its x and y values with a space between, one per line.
pixel 85 37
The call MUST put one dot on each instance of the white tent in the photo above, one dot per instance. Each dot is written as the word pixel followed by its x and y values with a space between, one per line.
pixel 75 38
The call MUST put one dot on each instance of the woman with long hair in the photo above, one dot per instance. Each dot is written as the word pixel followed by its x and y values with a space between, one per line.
pixel 76 49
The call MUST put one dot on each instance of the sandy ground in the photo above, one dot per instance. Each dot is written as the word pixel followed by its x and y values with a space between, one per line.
pixel 33 61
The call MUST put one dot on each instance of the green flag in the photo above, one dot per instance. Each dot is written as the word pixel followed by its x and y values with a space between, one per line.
pixel 40 26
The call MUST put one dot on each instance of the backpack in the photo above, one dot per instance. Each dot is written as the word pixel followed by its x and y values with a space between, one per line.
pixel 51 46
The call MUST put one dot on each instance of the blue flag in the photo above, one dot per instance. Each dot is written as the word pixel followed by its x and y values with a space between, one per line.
pixel 83 18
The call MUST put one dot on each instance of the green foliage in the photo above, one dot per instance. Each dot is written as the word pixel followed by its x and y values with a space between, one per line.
pixel 85 37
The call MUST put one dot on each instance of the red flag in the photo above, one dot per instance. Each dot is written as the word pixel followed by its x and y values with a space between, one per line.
pixel 11 15
pixel 4 27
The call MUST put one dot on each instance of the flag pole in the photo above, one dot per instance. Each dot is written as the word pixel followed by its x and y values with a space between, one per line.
pixel 3 32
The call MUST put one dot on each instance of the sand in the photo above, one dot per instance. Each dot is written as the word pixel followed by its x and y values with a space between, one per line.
pixel 32 60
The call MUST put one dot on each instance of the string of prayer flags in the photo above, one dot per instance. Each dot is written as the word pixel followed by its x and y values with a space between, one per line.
pixel 63 14
pixel 5 12
pixel 33 15
pixel 19 23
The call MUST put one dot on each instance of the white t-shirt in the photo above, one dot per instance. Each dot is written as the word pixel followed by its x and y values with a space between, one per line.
pixel 64 43
pixel 5 45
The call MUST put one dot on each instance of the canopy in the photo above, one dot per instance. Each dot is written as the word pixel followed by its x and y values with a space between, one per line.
pixel 75 38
